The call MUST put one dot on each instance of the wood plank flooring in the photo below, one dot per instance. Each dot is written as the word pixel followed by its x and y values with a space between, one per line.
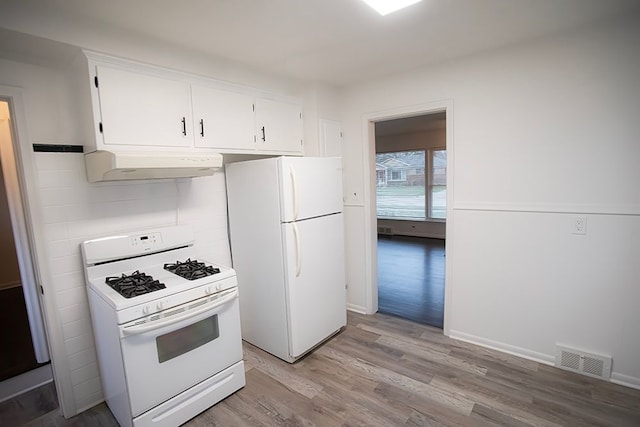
pixel 411 274
pixel 386 371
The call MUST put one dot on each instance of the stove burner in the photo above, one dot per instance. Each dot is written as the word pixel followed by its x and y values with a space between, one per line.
pixel 191 269
pixel 135 284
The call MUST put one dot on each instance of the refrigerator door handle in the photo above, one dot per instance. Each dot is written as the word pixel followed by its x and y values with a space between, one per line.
pixel 292 173
pixel 296 234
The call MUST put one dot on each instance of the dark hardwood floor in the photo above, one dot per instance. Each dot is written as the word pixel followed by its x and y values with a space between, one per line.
pixel 411 274
pixel 386 371
pixel 16 355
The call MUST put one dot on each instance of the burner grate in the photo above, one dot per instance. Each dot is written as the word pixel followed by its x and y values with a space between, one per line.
pixel 191 269
pixel 135 284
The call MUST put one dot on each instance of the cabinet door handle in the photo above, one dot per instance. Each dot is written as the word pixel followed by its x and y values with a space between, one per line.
pixel 202 128
pixel 184 126
pixel 264 137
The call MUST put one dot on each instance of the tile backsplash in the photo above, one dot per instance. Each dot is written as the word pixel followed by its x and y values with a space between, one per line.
pixel 74 210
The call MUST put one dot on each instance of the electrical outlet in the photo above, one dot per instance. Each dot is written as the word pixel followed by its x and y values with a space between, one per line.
pixel 580 225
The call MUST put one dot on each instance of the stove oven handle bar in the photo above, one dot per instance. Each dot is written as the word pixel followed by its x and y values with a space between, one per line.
pixel 157 324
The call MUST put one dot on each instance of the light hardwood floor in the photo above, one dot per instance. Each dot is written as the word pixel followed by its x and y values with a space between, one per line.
pixel 386 371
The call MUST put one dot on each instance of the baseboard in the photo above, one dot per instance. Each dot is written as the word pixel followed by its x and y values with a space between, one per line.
pixel 546 359
pixel 625 380
pixel 25 382
pixel 10 285
pixel 89 406
pixel 356 308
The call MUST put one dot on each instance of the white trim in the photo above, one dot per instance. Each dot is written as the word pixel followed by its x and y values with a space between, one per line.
pixel 570 208
pixel 625 380
pixel 9 152
pixel 543 358
pixel 546 359
pixel 26 167
pixel 370 215
pixel 418 234
pixel 369 202
pixel 356 308
pixel 421 220
pixel 24 382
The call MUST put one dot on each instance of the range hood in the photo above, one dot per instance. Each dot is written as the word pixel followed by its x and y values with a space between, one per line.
pixel 123 165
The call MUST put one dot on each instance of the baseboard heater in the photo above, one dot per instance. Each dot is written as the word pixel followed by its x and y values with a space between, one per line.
pixel 388 231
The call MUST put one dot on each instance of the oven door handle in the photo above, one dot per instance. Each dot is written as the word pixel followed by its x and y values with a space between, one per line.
pixel 136 330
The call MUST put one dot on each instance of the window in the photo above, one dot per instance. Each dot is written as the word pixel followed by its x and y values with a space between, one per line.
pixel 401 194
pixel 403 191
pixel 398 175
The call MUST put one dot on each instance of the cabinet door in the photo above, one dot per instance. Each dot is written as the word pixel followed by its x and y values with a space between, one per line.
pixel 278 126
pixel 143 110
pixel 330 138
pixel 223 119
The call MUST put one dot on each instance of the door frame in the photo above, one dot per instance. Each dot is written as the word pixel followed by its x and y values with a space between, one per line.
pixel 21 235
pixel 370 216
pixel 28 180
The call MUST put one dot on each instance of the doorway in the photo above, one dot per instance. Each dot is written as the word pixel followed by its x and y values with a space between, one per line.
pixel 411 187
pixel 22 336
pixel 18 355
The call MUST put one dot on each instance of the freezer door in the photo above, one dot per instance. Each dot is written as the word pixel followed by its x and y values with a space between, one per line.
pixel 310 187
pixel 315 289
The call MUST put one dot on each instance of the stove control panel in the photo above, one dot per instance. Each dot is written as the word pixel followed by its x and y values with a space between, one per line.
pixel 212 289
pixel 146 240
pixel 154 307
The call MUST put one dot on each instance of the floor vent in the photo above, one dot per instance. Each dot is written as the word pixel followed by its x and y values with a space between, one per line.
pixel 385 230
pixel 593 365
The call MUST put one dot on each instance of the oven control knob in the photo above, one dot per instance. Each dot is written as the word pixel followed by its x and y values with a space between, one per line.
pixel 218 287
pixel 208 290
pixel 146 309
pixel 160 305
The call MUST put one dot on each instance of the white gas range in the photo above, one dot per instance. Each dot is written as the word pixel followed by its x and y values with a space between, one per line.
pixel 166 325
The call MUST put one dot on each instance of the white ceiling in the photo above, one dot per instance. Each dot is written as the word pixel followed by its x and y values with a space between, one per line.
pixel 333 41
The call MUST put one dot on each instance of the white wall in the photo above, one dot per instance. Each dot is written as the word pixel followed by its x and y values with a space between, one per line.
pixel 406 142
pixel 541 133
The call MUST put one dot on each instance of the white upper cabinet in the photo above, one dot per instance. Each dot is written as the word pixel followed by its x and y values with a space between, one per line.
pixel 222 119
pixel 143 110
pixel 278 126
pixel 129 106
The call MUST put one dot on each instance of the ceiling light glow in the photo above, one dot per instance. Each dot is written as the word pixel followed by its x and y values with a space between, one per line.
pixel 384 7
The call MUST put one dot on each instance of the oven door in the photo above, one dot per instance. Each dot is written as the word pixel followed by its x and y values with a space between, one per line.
pixel 180 348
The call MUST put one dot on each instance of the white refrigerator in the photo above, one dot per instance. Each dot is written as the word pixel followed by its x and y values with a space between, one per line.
pixel 287 244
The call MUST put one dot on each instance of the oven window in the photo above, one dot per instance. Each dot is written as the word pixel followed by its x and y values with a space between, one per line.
pixel 186 339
